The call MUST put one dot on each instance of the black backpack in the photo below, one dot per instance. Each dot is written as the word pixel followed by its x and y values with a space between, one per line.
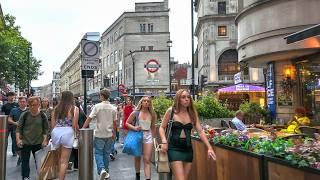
pixel 24 117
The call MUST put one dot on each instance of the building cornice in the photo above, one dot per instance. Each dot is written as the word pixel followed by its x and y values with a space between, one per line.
pixel 249 8
pixel 213 18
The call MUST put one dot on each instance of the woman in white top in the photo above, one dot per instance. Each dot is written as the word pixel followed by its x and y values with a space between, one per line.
pixel 147 118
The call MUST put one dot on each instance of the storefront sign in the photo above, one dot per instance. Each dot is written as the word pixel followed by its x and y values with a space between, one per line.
pixel 271 90
pixel 152 66
pixel 237 78
pixel 242 87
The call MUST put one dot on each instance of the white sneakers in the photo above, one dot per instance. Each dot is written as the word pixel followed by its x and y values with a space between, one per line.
pixel 104 175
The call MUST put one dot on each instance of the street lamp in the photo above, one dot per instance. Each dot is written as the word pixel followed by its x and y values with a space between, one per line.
pixel 133 77
pixel 29 64
pixel 169 45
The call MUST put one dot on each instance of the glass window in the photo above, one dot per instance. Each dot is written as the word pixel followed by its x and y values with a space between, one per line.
pixel 222 7
pixel 143 48
pixel 222 30
pixel 142 27
pixel 108 60
pixel 150 27
pixel 115 56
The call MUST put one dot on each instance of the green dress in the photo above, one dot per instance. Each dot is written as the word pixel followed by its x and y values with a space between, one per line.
pixel 180 149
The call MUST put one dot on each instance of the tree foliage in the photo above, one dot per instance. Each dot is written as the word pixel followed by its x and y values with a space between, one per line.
pixel 161 104
pixel 14 56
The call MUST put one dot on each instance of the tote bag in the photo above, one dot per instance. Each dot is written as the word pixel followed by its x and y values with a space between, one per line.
pixel 133 142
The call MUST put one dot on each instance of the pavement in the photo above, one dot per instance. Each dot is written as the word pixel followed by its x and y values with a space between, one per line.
pixel 122 168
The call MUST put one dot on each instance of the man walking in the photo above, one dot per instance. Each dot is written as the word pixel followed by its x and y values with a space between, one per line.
pixel 104 130
pixel 14 118
pixel 31 133
pixel 11 129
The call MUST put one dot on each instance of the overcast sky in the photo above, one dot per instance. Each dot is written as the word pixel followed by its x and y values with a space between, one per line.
pixel 56 26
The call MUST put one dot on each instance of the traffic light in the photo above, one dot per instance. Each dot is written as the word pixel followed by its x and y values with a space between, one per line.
pixel 203 80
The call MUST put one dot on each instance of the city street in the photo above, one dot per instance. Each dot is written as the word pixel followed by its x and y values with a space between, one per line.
pixel 120 169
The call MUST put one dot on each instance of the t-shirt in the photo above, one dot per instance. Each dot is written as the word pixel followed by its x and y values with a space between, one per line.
pixel 239 124
pixel 7 109
pixel 32 130
pixel 15 113
pixel 126 113
pixel 105 114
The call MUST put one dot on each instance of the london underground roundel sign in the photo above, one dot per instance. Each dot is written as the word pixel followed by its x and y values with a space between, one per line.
pixel 152 66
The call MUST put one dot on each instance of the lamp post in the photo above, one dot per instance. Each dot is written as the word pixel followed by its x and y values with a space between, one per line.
pixel 169 45
pixel 29 64
pixel 133 77
pixel 192 57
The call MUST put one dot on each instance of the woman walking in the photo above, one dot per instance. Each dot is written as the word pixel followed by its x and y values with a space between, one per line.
pixel 143 119
pixel 64 122
pixel 47 110
pixel 178 145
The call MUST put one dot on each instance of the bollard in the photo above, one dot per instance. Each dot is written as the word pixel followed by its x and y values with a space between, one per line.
pixel 3 146
pixel 85 155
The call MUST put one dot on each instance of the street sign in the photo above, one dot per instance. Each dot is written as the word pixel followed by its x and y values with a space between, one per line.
pixel 237 78
pixel 90 55
pixel 152 66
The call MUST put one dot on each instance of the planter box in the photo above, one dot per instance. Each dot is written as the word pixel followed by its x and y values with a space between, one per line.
pixel 278 169
pixel 202 167
pixel 233 164
pixel 215 122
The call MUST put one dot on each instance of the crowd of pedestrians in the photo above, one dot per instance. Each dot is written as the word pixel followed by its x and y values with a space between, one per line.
pixel 32 122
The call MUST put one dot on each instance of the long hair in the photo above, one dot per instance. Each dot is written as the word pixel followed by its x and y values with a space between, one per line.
pixel 43 100
pixel 150 109
pixel 65 104
pixel 191 109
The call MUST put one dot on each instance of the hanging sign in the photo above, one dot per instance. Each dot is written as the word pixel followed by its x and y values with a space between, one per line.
pixel 152 66
pixel 271 102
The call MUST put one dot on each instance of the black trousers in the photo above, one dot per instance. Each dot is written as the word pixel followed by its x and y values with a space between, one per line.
pixel 25 156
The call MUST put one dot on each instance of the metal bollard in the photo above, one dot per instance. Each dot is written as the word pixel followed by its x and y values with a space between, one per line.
pixel 3 146
pixel 86 154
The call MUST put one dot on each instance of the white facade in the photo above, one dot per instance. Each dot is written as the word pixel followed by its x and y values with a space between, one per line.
pixel 217 42
pixel 55 85
pixel 145 33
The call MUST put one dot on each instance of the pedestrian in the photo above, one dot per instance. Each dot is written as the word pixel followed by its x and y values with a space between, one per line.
pixel 146 123
pixel 47 110
pixel 73 161
pixel 31 133
pixel 11 129
pixel 127 110
pixel 178 146
pixel 105 128
pixel 64 124
pixel 14 117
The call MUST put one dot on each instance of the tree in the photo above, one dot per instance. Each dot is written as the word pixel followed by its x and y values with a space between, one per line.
pixel 14 56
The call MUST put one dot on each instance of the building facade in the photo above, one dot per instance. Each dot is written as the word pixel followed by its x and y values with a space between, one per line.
pixel 45 91
pixel 292 69
pixel 55 85
pixel 70 73
pixel 135 45
pixel 217 44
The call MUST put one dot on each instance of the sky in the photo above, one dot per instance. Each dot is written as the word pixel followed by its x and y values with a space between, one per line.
pixel 55 27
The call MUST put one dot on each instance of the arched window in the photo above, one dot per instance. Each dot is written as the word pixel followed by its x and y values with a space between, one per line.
pixel 228 63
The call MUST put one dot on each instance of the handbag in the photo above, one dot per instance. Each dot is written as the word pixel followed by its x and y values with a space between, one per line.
pixel 132 144
pixel 75 143
pixel 161 158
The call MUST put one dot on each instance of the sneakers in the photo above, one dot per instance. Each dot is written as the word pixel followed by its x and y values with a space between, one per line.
pixel 112 157
pixel 104 175
pixel 26 178
pixel 70 166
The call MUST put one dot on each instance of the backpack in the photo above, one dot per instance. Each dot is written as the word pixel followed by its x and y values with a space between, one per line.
pixel 24 117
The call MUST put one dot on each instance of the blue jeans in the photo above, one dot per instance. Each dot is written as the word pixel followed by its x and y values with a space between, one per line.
pixel 102 151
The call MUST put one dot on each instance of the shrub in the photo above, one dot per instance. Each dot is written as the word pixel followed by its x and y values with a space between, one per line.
pixel 209 107
pixel 160 105
pixel 253 112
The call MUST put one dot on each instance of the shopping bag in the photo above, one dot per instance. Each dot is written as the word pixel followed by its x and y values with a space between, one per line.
pixel 40 156
pixel 50 166
pixel 161 159
pixel 133 143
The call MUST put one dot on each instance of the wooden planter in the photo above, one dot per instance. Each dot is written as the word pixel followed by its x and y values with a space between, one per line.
pixel 202 167
pixel 278 169
pixel 234 164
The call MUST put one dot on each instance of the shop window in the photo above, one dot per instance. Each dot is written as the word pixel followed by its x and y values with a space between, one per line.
pixel 228 63
pixel 222 30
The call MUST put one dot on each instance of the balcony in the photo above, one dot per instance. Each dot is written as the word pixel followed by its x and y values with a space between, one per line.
pixel 230 78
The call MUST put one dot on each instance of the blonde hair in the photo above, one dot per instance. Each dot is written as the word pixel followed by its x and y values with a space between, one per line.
pixel 150 109
pixel 191 109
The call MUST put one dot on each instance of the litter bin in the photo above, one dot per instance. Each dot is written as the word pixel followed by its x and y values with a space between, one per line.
pixel 3 146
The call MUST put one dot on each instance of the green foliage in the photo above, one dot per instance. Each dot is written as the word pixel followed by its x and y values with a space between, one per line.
pixel 161 104
pixel 253 112
pixel 14 55
pixel 209 107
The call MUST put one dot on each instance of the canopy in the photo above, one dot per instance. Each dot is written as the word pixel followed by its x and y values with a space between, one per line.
pixel 241 88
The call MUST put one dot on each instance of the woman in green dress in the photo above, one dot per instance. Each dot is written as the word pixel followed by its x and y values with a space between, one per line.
pixel 178 145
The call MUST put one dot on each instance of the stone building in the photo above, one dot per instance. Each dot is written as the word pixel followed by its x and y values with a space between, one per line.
pixel 293 69
pixel 55 85
pixel 141 37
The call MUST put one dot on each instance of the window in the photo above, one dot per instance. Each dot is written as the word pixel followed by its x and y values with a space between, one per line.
pixel 107 42
pixel 115 56
pixel 150 48
pixel 111 58
pixel 120 55
pixel 222 7
pixel 115 36
pixel 143 48
pixel 108 60
pixel 222 30
pixel 150 27
pixel 142 27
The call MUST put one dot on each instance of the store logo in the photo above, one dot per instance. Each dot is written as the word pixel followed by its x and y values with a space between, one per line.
pixel 152 66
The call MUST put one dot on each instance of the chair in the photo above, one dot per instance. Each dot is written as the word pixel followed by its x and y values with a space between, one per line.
pixel 224 124
pixel 309 131
pixel 232 126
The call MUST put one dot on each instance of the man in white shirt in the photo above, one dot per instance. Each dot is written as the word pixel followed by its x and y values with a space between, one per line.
pixel 237 121
pixel 105 115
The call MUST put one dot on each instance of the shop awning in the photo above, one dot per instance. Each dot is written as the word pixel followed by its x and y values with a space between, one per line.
pixel 303 34
pixel 241 88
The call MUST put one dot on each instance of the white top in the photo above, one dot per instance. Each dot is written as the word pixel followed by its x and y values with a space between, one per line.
pixel 145 124
pixel 105 114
